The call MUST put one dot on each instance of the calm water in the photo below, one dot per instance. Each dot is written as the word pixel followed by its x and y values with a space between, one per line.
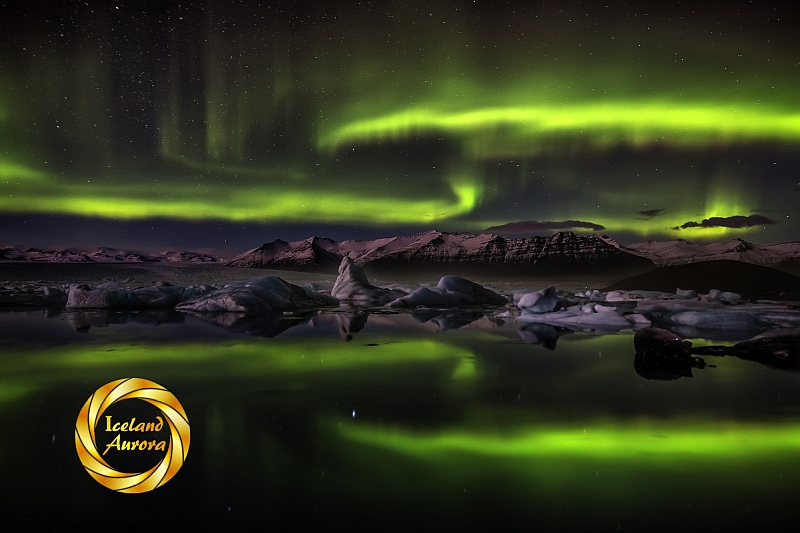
pixel 397 421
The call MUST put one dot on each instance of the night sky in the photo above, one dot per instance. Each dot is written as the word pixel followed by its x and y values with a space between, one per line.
pixel 223 124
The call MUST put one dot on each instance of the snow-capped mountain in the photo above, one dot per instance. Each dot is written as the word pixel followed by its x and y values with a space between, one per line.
pixel 101 255
pixel 48 256
pixel 431 250
pixel 115 255
pixel 680 252
pixel 312 254
pixel 185 256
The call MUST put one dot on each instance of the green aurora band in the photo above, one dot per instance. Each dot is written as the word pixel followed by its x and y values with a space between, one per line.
pixel 265 202
pixel 597 124
pixel 254 124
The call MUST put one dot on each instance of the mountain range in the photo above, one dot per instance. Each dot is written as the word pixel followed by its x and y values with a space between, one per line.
pixel 445 252
pixel 681 252
pixel 439 251
pixel 562 252
pixel 102 255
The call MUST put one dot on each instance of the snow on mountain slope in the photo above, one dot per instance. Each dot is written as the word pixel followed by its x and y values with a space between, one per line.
pixel 680 252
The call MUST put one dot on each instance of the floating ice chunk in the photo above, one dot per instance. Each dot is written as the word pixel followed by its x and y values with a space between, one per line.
pixel 619 296
pixel 110 296
pixel 32 296
pixel 595 295
pixel 637 319
pixel 261 295
pixel 685 294
pixel 543 301
pixel 578 318
pixel 650 295
pixel 474 291
pixel 714 319
pixel 722 296
pixel 101 297
pixel 353 286
pixel 449 292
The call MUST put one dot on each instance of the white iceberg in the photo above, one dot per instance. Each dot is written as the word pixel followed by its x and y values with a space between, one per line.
pixel 451 291
pixel 353 286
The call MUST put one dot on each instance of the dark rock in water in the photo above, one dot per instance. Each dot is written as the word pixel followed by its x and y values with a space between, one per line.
pixel 660 354
pixel 748 280
pixel 719 335
pixel 776 351
pixel 661 341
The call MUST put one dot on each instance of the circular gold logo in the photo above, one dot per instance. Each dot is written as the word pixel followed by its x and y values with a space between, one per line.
pixel 132 436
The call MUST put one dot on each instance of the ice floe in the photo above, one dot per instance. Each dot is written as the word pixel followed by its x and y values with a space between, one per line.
pixel 261 295
pixel 353 286
pixel 451 291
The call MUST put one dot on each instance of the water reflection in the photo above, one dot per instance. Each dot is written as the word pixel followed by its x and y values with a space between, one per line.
pixel 668 357
pixel 85 319
pixel 258 325
pixel 421 416
pixel 542 334
pixel 662 354
pixel 454 318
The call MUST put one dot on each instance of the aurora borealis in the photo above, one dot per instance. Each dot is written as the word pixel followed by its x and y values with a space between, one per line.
pixel 222 123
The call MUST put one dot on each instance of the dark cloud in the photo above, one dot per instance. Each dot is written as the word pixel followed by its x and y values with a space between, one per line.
pixel 530 226
pixel 736 221
pixel 651 213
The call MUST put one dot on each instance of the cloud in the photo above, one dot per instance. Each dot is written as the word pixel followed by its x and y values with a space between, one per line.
pixel 530 226
pixel 650 213
pixel 736 221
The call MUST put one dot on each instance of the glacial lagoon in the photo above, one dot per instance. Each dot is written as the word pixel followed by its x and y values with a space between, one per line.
pixel 402 419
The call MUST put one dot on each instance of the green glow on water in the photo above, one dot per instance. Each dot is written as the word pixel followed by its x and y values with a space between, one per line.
pixel 23 372
pixel 649 441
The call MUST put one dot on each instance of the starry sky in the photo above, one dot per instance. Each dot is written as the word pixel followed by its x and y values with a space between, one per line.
pixel 221 124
